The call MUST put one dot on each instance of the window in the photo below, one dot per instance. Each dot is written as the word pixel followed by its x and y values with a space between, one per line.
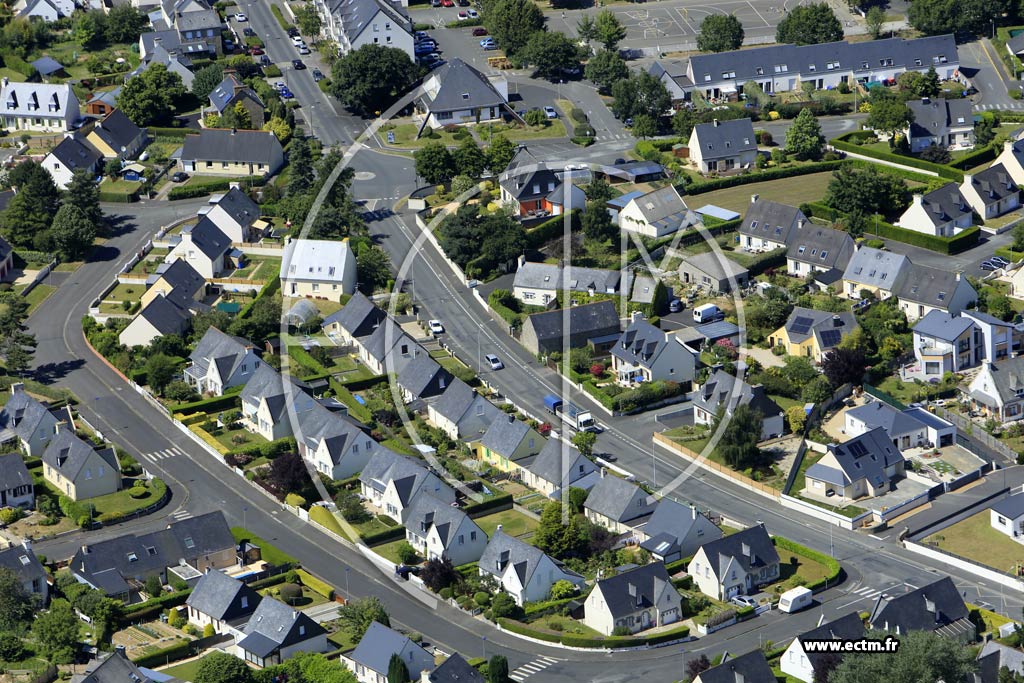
pixel 132 557
pixel 462 539
pixel 151 551
pixel 376 40
pixel 707 78
pixel 189 542
pixel 812 68
pixel 802 249
pixel 245 602
pixel 88 473
pixel 472 535
pixel 917 62
pixel 863 65
pixel 728 74
pixel 375 28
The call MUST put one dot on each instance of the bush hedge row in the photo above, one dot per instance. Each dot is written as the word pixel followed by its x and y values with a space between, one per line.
pixel 1009 254
pixel 533 609
pixel 119 197
pixel 156 131
pixel 300 356
pixel 843 143
pixel 314 584
pixel 611 642
pixel 214 404
pixel 976 158
pixel 270 553
pixel 830 563
pixel 158 494
pixel 268 290
pixel 382 537
pixel 944 245
pixel 496 504
pixel 759 177
pixel 154 606
pixel 166 655
pixel 551 229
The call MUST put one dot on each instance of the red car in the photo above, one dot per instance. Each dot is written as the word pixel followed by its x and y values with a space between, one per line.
pixel 255 51
pixel 448 3
pixel 480 31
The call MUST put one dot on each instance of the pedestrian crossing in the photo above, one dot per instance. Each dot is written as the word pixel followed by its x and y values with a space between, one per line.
pixel 156 456
pixel 867 592
pixel 181 514
pixel 530 668
pixel 1008 105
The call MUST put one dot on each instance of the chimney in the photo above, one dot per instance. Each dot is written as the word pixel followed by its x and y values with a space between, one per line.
pixel 918 199
pixel 604 472
pixel 17 386
pixel 85 550
pixel 716 123
pixel 26 543
pixel 693 511
pixel 120 650
pixel 521 260
pixel 498 528
pixel 635 316
pixel 424 676
pixel 800 224
pixel 837 321
pixel 968 179
pixel 754 198
pixel 6 81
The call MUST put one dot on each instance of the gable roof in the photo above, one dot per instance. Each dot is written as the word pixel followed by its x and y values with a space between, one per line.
pixel 503 550
pixel 559 463
pixel 217 347
pixel 532 275
pixel 47 65
pixel 117 130
pixel 215 594
pixel 994 656
pixel 74 154
pixel 427 512
pixel 750 549
pixel 1011 506
pixel 21 560
pixel 593 318
pixel 719 387
pixel 229 90
pixel 641 344
pixel 455 669
pixel 715 266
pixel 824 247
pixel 379 643
pixel 197 20
pixel 25 415
pixel 208 238
pixel 69 454
pixel 114 668
pixel 536 183
pixel 876 268
pixel 180 276
pixel 238 205
pixel 418 374
pixel 462 405
pixel 938 324
pixel 619 500
pixel 934 117
pixel 945 204
pixel 935 607
pixel 13 472
pixel 668 526
pixel 355 16
pixel 274 625
pixel 929 286
pixel 456 86
pixel 505 435
pixel 863 457
pixel 359 317
pixel 37 100
pixel 1008 376
pixel 662 208
pixel 225 144
pixel 408 475
pixel 165 315
pixel 267 384
pixel 993 184
pixel 725 138
pixel 827 327
pixel 634 590
pixel 847 627
pixel 751 667
pixel 316 260
pixel 770 220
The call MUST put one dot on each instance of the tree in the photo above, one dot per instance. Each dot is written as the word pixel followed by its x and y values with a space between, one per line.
pixel 874 20
pixel 570 538
pixel 921 656
pixel 985 130
pixel 357 615
pixel 83 192
pixel 220 667
pixel 288 474
pixel 11 648
pixel 645 126
pixel 237 117
pixel 610 31
pixel 889 113
pixel 434 163
pixel 957 16
pixel 397 670
pixel 439 573
pixel 504 606
pixel 513 22
pixel 797 418
pixel 562 589
pixel 15 602
pixel 56 632
pixel 30 212
pixel 160 371
pixel 497 669
pixel 72 232
pixel 500 153
pixel 124 24
pixel 308 20
pixel 153 586
pixel 300 161
pixel 585 441
pixel 809 25
pixel 598 190
pixel 469 159
pixel 1018 237
pixel 641 93
pixel 843 365
pixel 536 118
pixel 88 29
pixel 372 267
pixel 550 53
pixel 720 33
pixel 597 223
pixel 606 68
pixel 149 98
pixel 586 29
pixel 738 445
pixel 370 79
pixel 935 154
pixel 818 390
pixel 868 190
pixel 697 666
pixel 406 553
pixel 804 139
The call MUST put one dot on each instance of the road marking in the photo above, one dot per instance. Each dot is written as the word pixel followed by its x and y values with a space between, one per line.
pixel 758 13
pixel 181 514
pixel 530 668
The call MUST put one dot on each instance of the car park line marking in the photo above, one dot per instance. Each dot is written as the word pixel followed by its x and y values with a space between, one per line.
pixel 758 13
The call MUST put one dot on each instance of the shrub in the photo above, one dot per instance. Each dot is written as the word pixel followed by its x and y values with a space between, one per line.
pixel 295 500
pixel 11 649
pixel 482 599
pixel 208 631
pixel 314 584
pixel 138 491
pixel 406 553
pixel 10 515
pixel 290 592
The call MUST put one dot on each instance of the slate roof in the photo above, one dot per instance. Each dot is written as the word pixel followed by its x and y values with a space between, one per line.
pixel 181 277
pixel 1011 506
pixel 751 667
pixel 355 17
pixel 228 90
pixel 460 87
pixel 945 204
pixel 208 238
pixel 634 590
pixel 993 184
pixel 641 344
pixel 166 39
pixel 504 549
pixel 668 526
pixel 36 99
pixel 643 290
pixel 216 593
pixel 166 316
pixel 379 643
pixel 824 247
pixel 238 205
pixel 1016 43
pixel 710 264
pixel 24 415
pixel 662 208
pixel 220 348
pixel 558 467
pixel 115 668
pixel 720 139
pixel 386 466
pixel 316 260
pixel 455 669
pixel 505 435
pixel 117 130
pixel 107 97
pixel 927 285
pixel 876 268
pixel 47 65
pixel 197 20
pixel 224 144
pixel 1008 376
pixel 880 414
pixel 550 276
pixel 749 549
pixel 934 117
pixel 427 512
pixel 338 431
pixel 597 318
pixel 266 383
pixel 770 220
pixel 619 500
pixel 533 184
pixel 419 374
pixel 941 325
pixel 864 457
pixel 719 387
pixel 74 154
pixel 359 317
pixel 633 169
pixel 69 454
pixel 22 561
pixel 275 625
pixel 457 404
pixel 13 472
pixel 929 608
pixel 828 328
pixel 994 656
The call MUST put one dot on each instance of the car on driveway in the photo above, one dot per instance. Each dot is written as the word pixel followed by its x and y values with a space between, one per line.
pixel 229 45
pixel 298 64
pixel 248 32
pixel 297 40
pixel 479 31
pixel 494 361
pixel 435 326
pixel 988 265
pixel 744 601
pixel 435 3
pixel 255 50
pixel 318 75
pixel 550 112
pixel 473 14
pixel 179 177
pixel 999 260
pixel 241 17
pixel 488 44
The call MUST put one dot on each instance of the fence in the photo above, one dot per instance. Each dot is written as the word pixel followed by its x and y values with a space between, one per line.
pixel 966 564
pixel 882 396
pixel 40 276
pixel 976 433
pixel 850 523
pixel 723 471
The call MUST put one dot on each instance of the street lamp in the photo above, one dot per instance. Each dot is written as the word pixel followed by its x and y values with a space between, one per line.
pixel 348 593
pixel 483 643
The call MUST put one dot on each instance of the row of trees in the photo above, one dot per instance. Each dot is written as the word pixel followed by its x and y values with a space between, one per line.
pixel 435 163
pixel 803 25
pixel 96 29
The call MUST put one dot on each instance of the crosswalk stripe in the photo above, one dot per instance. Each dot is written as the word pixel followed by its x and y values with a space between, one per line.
pixel 177 451
pixel 149 457
pixel 516 677
pixel 530 668
pixel 549 659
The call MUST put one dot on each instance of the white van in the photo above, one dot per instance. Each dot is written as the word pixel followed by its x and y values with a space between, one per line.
pixel 706 314
pixel 795 600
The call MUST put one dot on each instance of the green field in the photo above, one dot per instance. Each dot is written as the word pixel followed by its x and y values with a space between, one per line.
pixel 975 539
pixel 512 522
pixel 793 191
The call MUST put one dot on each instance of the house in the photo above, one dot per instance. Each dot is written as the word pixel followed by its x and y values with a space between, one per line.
pixel 867 465
pixel 22 561
pixel 672 74
pixel 318 269
pixel 1012 159
pixel 115 667
pixel 751 667
pixel 541 283
pixel 656 214
pixel 204 247
pixel 738 564
pixel 70 155
pixel 29 421
pixel 47 66
pixel 768 225
pixel 235 213
pixel 221 361
pixel 716 273
pixel 782 68
pixel 617 504
pixel 816 249
pixel 507 442
pixel 723 391
pixel 354 23
pixel 800 662
pixel 948 124
pixel 79 470
pixel 523 571
pixel 232 92
pixel 923 289
pixel 723 146
pixel 46 11
pixel 38 107
pixel 937 607
pixel 232 153
pixel 269 405
pixel 119 566
pixel 194 31
pixel 944 343
pixel 875 271
pixel 646 354
pixel 222 601
pixel 543 333
pixel 536 191
pixel 997 337
pixel 178 277
pixel 456 93
pixel 163 315
pixel 438 530
pixel 388 348
pixel 991 192
pixel 559 466
pixel 634 601
pixel 462 413
pixel 102 102
pixel 908 428
pixel 455 669
pixel 16 485
pixel 1007 516
pixel 812 333
pixel 276 631
pixel 334 444
pixel 163 47
pixel 674 532
pixel 371 659
pixel 991 660
pixel 997 391
pixel 616 204
pixel 116 137
pixel 358 318
pixel 391 482
pixel 423 378
pixel 943 212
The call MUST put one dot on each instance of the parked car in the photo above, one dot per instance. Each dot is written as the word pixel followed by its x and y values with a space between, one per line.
pixel 297 40
pixel 264 60
pixel 473 14
pixel 298 65
pixel 675 306
pixel 318 75
pixel 256 51
pixel 229 45
pixel 550 112
pixel 488 43
pixel 744 601
pixel 435 326
pixel 424 49
pixel 463 15
pixel 479 31
pixel 988 265
pixel 292 32
pixel 241 17
pixel 279 86
pixel 303 50
pixel 286 94
pixel 448 3
pixel 999 260
pixel 420 35
pixel 179 177
pixel 494 361
pixel 248 32
pixel 435 3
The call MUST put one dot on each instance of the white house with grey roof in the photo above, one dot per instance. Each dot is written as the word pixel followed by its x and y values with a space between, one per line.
pixel 1012 159
pixel 948 124
pixel 456 93
pixel 234 213
pixel 672 74
pixel 231 153
pixel 455 669
pixel 998 338
pixel 997 391
pixel 462 413
pixel 391 482
pixel 358 318
pixel 656 214
pixel 29 421
pixel 1007 516
pixel 799 661
pixel 991 192
pixel 867 465
pixel 16 485
pixel 336 445
pixel 945 343
pixel 204 247
pixel 545 333
pixel 438 530
pixel 115 667
pixel 387 349
pixel 723 146
pixel 318 269
pixel 923 289
pixel 721 392
pixel 768 225
pixel 617 504
pixel 43 10
pixel 276 631
pixel 943 212
pixel 221 361
pixel 423 378
pixel 874 270
pixel 634 600
pixel 73 153
pixel 162 47
pixel 907 428
pixel 646 354
pixel 230 93
pixel 371 658
pixel 737 564
pixel 814 248
pixel 751 667
pixel 717 274
pixel 523 571
pixel 78 469
pixel 221 601
pixel 39 107
pixel 355 23
pixel 676 531
pixel 540 283
pixel 268 404
pixel 559 466
pixel 22 560
pixel 165 314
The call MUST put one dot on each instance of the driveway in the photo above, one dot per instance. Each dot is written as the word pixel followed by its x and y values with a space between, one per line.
pixel 765 357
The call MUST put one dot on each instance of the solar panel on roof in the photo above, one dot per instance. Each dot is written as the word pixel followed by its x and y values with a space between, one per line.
pixel 830 338
pixel 857 449
pixel 802 325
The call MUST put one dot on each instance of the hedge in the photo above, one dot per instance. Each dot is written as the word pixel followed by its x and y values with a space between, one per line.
pixel 760 176
pixel 550 229
pixel 498 503
pixel 842 143
pixel 168 654
pixel 363 384
pixel 272 71
pixel 314 584
pixel 976 158
pixel 382 537
pixel 830 563
pixel 944 245
pixel 269 581
pixel 610 642
pixel 543 607
pixel 118 197
pixel 268 289
pixel 157 131
pixel 157 488
pixel 303 359
pixel 267 450
pixel 1009 254
pixel 269 552
pixel 598 395
pixel 215 404
pixel 205 187
pixel 154 606
pixel 356 409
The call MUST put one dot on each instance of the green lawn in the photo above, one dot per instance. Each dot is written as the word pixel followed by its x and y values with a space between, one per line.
pixel 405 136
pixel 785 402
pixel 121 503
pixel 513 523
pixel 120 186
pixel 799 481
pixel 124 292
pixel 552 128
pixel 975 539
pixel 237 438
pixel 38 295
pixel 389 551
pixel 310 598
pixel 793 191
pixel 563 624
pixel 186 671
pixel 910 392
pixel 374 526
pixel 792 568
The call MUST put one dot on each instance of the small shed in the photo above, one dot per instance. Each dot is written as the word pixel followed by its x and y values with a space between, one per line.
pixel 48 66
